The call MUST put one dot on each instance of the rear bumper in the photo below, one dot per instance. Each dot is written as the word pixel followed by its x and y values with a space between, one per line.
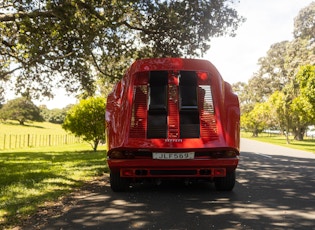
pixel 141 168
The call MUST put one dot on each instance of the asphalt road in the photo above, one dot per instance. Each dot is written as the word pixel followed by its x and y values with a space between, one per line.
pixel 275 189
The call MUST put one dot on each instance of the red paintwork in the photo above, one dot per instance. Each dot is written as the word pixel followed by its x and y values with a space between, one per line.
pixel 223 135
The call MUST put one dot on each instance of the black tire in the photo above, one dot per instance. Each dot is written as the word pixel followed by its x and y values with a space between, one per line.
pixel 117 183
pixel 225 183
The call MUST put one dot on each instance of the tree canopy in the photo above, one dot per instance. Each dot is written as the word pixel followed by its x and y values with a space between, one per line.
pixel 304 23
pixel 56 116
pixel 306 80
pixel 255 120
pixel 87 120
pixel 20 109
pixel 47 43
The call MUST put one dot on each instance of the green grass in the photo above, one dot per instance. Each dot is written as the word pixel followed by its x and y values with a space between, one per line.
pixel 34 134
pixel 31 176
pixel 308 144
pixel 13 127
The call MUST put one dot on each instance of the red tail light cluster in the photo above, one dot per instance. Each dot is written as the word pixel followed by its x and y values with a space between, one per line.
pixel 117 154
pixel 224 154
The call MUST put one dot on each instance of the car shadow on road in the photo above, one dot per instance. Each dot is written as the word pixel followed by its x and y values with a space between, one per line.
pixel 271 193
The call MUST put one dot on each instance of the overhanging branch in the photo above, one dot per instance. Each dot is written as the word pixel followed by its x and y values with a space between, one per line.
pixel 96 64
pixel 21 14
pixel 3 75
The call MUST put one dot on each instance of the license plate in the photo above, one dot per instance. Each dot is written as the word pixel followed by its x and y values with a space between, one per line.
pixel 173 156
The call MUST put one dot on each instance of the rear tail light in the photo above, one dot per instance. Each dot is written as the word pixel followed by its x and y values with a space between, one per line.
pixel 116 154
pixel 230 154
pixel 224 154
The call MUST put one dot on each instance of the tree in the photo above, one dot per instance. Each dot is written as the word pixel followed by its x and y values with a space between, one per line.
pixel 306 81
pixel 87 120
pixel 304 23
pixel 255 91
pixel 21 109
pixel 257 119
pixel 56 116
pixel 48 43
pixel 294 106
pixel 272 68
pixel 242 91
pixel 302 114
pixel 279 67
pixel 280 103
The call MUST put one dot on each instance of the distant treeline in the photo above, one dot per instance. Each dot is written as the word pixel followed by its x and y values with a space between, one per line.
pixel 56 116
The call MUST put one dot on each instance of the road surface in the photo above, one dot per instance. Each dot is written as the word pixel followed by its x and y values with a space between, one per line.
pixel 275 189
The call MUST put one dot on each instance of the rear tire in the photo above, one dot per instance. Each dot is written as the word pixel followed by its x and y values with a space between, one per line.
pixel 225 183
pixel 117 183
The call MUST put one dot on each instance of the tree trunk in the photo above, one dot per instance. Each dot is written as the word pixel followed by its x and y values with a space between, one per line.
pixel 255 132
pixel 299 134
pixel 95 145
pixel 287 137
pixel 286 133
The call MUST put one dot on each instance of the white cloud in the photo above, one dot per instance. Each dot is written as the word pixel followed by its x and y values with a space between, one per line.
pixel 268 22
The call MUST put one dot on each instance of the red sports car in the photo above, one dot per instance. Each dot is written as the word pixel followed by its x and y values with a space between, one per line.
pixel 172 118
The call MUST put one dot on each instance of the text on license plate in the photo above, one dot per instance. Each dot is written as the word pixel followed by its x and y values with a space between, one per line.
pixel 173 156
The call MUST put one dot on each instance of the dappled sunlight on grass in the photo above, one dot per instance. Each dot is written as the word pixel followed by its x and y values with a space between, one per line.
pixel 30 177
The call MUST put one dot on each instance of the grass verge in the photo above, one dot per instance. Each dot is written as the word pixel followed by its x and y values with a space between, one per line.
pixel 30 177
pixel 308 144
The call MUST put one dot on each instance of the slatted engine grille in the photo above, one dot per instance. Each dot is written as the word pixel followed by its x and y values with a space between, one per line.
pixel 208 127
pixel 139 112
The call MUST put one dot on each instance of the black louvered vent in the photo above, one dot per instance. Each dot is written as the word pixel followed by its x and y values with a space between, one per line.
pixel 189 112
pixel 157 114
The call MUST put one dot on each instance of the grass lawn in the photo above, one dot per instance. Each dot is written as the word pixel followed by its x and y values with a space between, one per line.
pixel 13 127
pixel 31 176
pixel 308 144
pixel 33 134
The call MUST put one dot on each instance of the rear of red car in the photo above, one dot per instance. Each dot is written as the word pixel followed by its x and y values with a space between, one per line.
pixel 172 118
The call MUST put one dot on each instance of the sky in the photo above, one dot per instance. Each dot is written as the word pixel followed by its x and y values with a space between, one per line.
pixel 267 22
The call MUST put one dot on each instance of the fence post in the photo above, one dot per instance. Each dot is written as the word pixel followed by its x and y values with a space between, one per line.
pixel 4 141
pixel 28 140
